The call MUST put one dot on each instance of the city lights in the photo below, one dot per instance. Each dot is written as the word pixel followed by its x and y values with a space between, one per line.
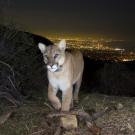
pixel 99 50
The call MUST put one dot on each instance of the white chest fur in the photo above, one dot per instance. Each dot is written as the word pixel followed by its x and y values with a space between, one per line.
pixel 62 82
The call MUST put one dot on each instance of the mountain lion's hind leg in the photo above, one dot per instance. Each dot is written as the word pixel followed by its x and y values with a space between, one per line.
pixel 53 98
pixel 76 89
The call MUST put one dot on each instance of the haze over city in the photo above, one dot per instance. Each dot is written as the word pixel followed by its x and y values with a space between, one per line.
pixel 79 18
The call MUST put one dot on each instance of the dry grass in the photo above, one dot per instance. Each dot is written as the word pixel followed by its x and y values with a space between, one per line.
pixel 117 122
pixel 30 118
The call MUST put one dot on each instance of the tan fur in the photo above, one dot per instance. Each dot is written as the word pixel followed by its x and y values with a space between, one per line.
pixel 69 75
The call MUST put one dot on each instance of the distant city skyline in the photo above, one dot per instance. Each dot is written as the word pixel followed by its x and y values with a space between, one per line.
pixel 86 18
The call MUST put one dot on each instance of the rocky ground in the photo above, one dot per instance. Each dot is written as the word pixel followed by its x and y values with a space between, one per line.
pixel 30 118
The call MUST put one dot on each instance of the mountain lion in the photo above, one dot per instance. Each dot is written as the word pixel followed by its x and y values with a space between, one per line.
pixel 64 70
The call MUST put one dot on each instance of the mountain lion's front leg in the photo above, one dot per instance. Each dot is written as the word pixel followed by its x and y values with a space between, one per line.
pixel 53 98
pixel 67 99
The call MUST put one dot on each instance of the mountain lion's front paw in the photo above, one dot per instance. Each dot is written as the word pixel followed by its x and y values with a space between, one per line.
pixel 57 106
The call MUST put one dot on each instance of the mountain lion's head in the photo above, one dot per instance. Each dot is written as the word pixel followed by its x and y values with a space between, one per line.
pixel 54 55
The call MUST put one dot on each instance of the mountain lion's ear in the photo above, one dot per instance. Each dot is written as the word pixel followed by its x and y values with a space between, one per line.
pixel 42 47
pixel 62 44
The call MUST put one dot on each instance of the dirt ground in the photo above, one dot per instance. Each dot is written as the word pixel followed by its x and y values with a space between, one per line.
pixel 30 118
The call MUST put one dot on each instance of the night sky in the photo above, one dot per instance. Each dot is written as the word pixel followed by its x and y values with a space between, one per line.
pixel 103 18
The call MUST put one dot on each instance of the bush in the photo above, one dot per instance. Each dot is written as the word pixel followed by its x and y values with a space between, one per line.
pixel 118 79
pixel 19 51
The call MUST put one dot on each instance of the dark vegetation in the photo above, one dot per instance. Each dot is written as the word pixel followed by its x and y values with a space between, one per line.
pixel 113 78
pixel 22 69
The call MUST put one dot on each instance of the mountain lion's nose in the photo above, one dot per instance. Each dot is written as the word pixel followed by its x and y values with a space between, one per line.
pixel 52 66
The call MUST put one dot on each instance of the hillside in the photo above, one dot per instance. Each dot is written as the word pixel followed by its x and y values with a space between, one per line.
pixel 23 81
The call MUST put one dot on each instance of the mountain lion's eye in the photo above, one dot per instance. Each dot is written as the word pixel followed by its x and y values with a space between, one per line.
pixel 56 55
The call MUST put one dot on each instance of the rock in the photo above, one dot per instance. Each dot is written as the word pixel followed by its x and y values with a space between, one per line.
pixel 69 122
pixel 130 127
pixel 119 106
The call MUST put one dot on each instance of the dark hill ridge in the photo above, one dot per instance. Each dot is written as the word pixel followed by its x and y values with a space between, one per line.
pixel 22 53
pixel 16 35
